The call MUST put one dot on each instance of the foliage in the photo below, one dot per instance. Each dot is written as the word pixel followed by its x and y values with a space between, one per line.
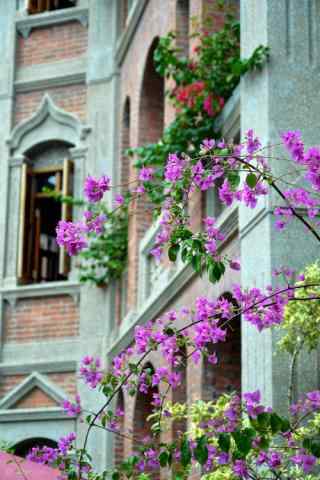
pixel 201 87
pixel 105 258
pixel 302 318
pixel 6 447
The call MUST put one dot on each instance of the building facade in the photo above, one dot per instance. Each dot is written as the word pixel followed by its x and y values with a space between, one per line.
pixel 78 87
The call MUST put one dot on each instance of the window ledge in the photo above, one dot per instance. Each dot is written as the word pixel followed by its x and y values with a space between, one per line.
pixel 26 24
pixel 49 289
pixel 33 414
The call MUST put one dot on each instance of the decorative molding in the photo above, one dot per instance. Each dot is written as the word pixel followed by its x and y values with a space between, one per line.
pixel 33 414
pixel 35 380
pixel 127 35
pixel 26 24
pixel 54 81
pixel 63 366
pixel 48 109
pixel 50 289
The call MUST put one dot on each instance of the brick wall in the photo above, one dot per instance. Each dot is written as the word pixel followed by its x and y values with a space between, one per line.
pixel 71 98
pixel 64 380
pixel 41 319
pixel 58 42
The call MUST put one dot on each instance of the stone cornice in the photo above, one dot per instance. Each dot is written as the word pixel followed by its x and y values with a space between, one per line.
pixel 33 414
pixel 26 24
pixel 7 369
pixel 12 294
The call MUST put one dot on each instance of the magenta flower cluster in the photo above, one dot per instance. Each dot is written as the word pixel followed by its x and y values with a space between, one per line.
pixel 90 371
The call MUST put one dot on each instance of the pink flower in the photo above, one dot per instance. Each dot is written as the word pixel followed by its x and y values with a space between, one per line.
pixel 71 236
pixel 95 188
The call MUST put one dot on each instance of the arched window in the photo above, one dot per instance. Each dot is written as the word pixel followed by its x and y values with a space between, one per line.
pixel 225 377
pixel 151 112
pixel 48 172
pixel 118 439
pixel 22 449
pixel 182 22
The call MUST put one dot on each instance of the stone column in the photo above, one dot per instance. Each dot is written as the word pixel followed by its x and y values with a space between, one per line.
pixel 7 59
pixel 13 223
pixel 283 96
pixel 95 303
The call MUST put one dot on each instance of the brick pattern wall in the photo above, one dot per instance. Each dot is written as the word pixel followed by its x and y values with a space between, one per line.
pixel 36 399
pixel 64 380
pixel 41 319
pixel 46 45
pixel 71 98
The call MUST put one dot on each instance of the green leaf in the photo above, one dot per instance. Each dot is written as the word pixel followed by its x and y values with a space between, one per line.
pixel 315 448
pixel 173 252
pixel 275 423
pixel 185 453
pixel 224 442
pixel 163 459
pixel 243 440
pixel 201 450
pixel 251 180
pixel 263 420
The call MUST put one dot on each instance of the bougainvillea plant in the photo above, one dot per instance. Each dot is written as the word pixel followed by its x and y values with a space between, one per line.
pixel 231 438
pixel 201 86
pixel 104 257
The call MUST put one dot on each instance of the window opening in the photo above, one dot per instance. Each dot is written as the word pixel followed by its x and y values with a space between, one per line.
pixel 40 258
pixel 40 6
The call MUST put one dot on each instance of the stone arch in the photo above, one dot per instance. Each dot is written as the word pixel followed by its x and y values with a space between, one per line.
pixel 22 448
pixel 118 439
pixel 151 108
pixel 48 123
pixel 225 377
pixel 182 26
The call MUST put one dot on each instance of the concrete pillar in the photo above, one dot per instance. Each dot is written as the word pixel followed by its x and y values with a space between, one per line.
pixel 283 96
pixel 95 303
pixel 7 59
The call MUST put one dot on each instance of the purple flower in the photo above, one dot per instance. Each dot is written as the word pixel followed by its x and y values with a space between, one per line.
pixel 90 371
pixel 240 469
pixel 71 236
pixel 72 409
pixel 235 265
pixel 226 195
pixel 174 168
pixel 207 144
pixel 96 224
pixel 119 199
pixel 146 174
pixel 293 143
pixel 306 462
pixel 94 188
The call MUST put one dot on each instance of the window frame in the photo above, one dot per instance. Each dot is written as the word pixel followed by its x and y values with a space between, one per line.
pixel 26 242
